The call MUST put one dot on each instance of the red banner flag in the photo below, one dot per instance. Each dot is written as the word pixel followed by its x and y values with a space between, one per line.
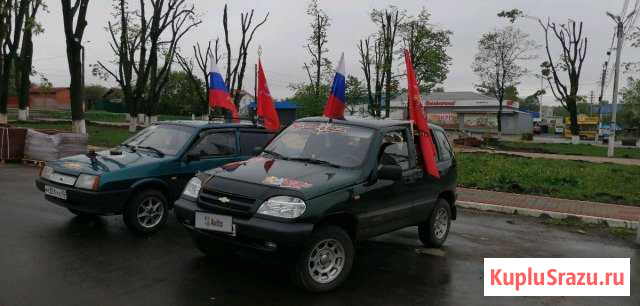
pixel 266 108
pixel 417 115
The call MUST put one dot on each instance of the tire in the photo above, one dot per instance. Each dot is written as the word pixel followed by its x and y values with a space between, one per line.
pixel 431 232
pixel 81 213
pixel 330 241
pixel 143 215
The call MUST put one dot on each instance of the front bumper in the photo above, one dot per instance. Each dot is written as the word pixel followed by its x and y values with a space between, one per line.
pixel 253 233
pixel 93 202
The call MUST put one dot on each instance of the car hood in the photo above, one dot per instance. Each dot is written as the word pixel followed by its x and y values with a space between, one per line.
pixel 104 162
pixel 309 179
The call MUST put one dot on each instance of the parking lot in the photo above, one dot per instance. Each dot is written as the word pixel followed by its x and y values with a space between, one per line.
pixel 50 257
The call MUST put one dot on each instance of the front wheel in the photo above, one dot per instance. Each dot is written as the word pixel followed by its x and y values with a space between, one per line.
pixel 434 232
pixel 325 261
pixel 146 212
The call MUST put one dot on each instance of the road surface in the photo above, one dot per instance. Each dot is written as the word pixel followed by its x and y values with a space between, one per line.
pixel 49 257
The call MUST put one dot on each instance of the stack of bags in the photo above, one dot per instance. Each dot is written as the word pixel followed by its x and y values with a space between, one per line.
pixel 43 146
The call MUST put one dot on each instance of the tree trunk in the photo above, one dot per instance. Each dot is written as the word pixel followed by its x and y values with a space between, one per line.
pixel 77 92
pixel 23 74
pixel 500 116
pixel 573 115
pixel 4 89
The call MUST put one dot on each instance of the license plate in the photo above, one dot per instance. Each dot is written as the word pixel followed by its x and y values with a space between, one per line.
pixel 213 222
pixel 55 192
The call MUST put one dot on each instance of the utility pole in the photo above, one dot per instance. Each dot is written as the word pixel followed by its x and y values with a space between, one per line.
pixel 620 25
pixel 602 84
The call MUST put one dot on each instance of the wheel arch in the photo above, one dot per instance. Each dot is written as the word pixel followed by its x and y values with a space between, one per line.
pixel 450 197
pixel 344 220
pixel 156 184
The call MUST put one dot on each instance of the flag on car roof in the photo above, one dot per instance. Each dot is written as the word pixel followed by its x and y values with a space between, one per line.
pixel 218 91
pixel 417 115
pixel 266 108
pixel 336 103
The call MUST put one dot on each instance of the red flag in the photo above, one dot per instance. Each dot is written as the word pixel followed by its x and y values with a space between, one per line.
pixel 417 115
pixel 266 108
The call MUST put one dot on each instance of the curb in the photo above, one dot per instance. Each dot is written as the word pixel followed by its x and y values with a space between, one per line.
pixel 554 215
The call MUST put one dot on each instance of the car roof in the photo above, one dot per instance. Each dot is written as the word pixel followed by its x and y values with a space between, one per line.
pixel 377 124
pixel 204 124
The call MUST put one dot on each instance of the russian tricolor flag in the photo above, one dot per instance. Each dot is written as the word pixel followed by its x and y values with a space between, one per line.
pixel 336 104
pixel 218 91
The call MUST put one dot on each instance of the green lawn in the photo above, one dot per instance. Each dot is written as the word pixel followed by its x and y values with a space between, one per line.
pixel 100 136
pixel 568 149
pixel 607 183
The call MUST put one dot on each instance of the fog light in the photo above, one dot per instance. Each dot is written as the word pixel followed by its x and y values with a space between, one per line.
pixel 271 245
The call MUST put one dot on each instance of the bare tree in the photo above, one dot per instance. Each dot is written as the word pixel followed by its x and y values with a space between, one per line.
pixel 235 71
pixel 316 47
pixel 5 26
pixel 498 60
pixel 146 48
pixel 373 55
pixel 23 63
pixel 574 51
pixel 389 22
pixel 75 22
pixel 202 60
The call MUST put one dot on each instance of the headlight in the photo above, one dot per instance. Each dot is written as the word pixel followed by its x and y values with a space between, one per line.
pixel 46 172
pixel 283 207
pixel 86 181
pixel 193 188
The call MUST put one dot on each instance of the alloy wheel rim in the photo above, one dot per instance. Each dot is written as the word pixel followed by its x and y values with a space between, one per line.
pixel 441 223
pixel 326 261
pixel 150 212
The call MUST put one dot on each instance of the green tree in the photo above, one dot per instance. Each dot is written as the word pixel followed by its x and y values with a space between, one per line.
pixel 356 94
pixel 94 93
pixel 498 62
pixel 305 96
pixel 428 46
pixel 630 115
pixel 179 96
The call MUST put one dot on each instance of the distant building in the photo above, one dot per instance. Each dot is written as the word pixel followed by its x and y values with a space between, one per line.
pixel 468 111
pixel 52 98
pixel 286 111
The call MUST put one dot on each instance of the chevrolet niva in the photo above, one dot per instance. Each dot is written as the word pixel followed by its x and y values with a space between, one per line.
pixel 317 188
pixel 143 177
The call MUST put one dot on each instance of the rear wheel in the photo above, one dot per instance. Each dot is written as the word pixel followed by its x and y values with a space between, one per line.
pixel 434 232
pixel 146 212
pixel 325 261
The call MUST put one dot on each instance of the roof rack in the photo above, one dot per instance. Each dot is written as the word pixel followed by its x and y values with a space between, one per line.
pixel 225 119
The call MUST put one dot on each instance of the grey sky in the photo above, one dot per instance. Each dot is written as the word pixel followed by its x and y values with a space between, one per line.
pixel 285 34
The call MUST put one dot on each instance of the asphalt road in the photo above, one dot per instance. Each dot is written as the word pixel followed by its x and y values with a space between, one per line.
pixel 49 257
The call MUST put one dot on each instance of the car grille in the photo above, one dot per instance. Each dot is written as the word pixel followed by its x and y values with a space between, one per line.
pixel 232 204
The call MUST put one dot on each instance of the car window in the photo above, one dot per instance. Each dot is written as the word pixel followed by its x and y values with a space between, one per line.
pixel 339 144
pixel 396 150
pixel 216 144
pixel 444 148
pixel 168 139
pixel 250 140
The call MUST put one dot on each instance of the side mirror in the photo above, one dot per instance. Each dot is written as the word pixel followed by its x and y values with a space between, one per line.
pixel 192 157
pixel 257 150
pixel 390 172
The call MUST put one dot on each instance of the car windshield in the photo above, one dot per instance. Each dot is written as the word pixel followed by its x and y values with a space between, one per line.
pixel 164 139
pixel 328 143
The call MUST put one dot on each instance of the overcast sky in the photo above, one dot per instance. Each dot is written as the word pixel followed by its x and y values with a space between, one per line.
pixel 286 32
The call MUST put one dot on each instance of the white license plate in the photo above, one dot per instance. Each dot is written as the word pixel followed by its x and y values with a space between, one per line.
pixel 213 222
pixel 55 192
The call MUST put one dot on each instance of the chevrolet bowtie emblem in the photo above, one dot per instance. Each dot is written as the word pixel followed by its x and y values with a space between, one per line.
pixel 224 200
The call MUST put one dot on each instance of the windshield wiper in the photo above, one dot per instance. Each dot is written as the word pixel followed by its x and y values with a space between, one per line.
pixel 128 146
pixel 275 154
pixel 315 161
pixel 160 153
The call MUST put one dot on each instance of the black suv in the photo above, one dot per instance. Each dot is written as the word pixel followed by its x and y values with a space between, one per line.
pixel 318 187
